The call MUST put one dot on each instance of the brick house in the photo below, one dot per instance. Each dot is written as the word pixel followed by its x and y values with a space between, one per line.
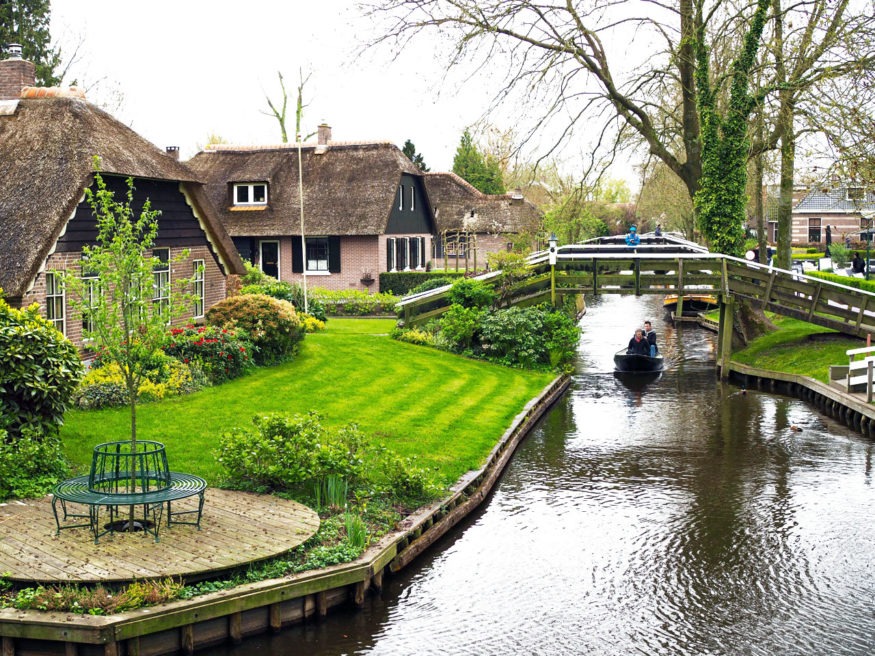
pixel 365 209
pixel 488 222
pixel 842 207
pixel 48 138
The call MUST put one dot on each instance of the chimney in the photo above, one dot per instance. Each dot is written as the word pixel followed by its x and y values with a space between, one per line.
pixel 323 134
pixel 173 151
pixel 15 73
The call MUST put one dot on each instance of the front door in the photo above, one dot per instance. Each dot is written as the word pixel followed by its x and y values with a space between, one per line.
pixel 270 258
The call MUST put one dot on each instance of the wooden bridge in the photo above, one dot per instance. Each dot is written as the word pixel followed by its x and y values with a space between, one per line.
pixel 669 265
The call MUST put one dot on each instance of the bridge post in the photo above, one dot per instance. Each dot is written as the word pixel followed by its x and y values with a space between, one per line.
pixel 724 336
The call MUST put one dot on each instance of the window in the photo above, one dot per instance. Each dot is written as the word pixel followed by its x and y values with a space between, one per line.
pixel 252 193
pixel 855 193
pixel 161 281
pixel 412 196
pixel 55 301
pixel 401 197
pixel 390 254
pixel 813 230
pixel 90 291
pixel 402 253
pixel 317 254
pixel 198 288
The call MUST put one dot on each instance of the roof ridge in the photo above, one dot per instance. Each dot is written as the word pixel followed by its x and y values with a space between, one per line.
pixel 248 148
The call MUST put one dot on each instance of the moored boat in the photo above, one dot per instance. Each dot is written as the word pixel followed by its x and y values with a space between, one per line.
pixel 635 362
pixel 692 302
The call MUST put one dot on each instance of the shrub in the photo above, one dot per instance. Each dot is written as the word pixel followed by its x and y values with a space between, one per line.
pixel 272 325
pixel 431 283
pixel 286 291
pixel 471 293
pixel 30 465
pixel 355 303
pixel 104 386
pixel 311 324
pixel 530 337
pixel 401 282
pixel 289 453
pixel 459 324
pixel 221 353
pixel 39 371
pixel 414 336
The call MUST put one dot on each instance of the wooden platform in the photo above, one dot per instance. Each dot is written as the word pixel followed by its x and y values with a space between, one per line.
pixel 237 528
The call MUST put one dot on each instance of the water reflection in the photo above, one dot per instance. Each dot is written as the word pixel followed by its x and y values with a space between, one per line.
pixel 676 516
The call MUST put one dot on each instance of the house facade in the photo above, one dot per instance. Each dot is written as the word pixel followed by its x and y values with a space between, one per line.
pixel 48 141
pixel 365 209
pixel 846 209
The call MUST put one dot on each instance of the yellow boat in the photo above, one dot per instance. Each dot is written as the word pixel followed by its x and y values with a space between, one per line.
pixel 692 302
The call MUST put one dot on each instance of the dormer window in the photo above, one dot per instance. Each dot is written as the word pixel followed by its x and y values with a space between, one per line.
pixel 250 193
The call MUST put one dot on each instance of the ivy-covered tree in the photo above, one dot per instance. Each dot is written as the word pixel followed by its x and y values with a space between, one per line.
pixel 26 22
pixel 410 151
pixel 483 172
pixel 721 200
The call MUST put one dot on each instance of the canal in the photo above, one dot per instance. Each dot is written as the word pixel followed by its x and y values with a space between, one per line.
pixel 680 516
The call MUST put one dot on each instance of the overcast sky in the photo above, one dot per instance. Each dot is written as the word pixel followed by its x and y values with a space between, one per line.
pixel 184 69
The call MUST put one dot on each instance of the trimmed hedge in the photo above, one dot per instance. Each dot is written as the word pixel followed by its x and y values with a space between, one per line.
pixel 401 282
pixel 355 303
pixel 847 281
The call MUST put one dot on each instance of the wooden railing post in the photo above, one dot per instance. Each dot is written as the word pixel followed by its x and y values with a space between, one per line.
pixel 727 319
pixel 869 381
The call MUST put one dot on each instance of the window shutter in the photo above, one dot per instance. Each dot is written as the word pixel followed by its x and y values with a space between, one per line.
pixel 334 254
pixel 297 256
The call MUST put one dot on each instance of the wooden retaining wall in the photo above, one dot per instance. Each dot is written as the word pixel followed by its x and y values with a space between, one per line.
pixel 232 615
pixel 852 412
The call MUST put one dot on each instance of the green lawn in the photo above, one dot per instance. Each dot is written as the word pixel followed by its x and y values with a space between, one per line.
pixel 798 348
pixel 447 410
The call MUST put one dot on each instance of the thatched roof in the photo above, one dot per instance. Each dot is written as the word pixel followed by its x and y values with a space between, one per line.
pixel 457 205
pixel 349 188
pixel 46 151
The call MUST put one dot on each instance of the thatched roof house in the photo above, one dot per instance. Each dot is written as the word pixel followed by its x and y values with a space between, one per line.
pixel 48 141
pixel 365 208
pixel 460 206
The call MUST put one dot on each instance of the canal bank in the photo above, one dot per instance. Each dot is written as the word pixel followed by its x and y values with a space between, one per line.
pixel 268 605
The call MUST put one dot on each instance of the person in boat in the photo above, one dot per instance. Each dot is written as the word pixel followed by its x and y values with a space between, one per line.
pixel 638 344
pixel 650 335
pixel 857 264
pixel 632 239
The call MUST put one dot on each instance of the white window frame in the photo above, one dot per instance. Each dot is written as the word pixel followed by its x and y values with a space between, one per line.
pixel 56 302
pixel 90 289
pixel 400 197
pixel 412 196
pixel 392 244
pixel 319 267
pixel 250 193
pixel 197 283
pixel 161 283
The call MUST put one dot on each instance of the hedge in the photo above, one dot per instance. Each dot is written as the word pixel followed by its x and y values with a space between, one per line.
pixel 400 283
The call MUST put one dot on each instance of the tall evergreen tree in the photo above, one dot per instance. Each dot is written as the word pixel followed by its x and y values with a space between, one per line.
pixel 26 22
pixel 410 151
pixel 483 172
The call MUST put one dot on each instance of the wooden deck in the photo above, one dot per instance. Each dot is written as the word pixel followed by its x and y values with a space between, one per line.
pixel 237 528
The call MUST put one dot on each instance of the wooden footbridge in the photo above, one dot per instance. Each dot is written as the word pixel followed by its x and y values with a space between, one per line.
pixel 669 265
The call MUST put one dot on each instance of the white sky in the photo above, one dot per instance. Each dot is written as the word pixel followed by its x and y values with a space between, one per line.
pixel 187 68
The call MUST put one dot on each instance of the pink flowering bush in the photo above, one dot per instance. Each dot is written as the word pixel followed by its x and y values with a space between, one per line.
pixel 221 353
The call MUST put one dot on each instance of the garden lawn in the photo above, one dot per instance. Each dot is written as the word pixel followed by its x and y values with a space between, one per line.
pixel 798 348
pixel 445 410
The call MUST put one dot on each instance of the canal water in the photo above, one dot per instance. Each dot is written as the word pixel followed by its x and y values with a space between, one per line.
pixel 669 516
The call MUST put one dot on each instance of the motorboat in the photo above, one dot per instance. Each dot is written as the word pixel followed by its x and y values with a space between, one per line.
pixel 637 363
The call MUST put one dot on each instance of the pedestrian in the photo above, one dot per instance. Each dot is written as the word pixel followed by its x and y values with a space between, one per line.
pixel 632 239
pixel 828 240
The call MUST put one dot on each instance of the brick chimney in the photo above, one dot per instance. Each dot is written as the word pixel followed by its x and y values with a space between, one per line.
pixel 15 73
pixel 323 136
pixel 173 151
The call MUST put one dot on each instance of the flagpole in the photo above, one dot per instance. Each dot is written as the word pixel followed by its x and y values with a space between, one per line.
pixel 303 240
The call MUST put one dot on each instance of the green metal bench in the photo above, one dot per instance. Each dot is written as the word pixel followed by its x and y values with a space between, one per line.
pixel 80 490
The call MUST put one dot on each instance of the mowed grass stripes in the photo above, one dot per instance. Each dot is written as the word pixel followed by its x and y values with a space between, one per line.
pixel 446 410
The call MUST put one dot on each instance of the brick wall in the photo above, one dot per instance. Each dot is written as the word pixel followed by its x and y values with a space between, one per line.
pixel 214 284
pixel 15 74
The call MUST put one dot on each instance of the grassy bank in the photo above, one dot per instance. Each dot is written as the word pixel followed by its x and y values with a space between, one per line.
pixel 446 410
pixel 798 347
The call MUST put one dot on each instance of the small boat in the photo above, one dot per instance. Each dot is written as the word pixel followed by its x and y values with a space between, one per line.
pixel 692 302
pixel 637 363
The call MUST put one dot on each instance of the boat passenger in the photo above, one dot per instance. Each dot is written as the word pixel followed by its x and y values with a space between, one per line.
pixel 650 334
pixel 632 239
pixel 638 345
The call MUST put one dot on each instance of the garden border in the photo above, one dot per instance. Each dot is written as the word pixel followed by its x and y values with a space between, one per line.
pixel 273 604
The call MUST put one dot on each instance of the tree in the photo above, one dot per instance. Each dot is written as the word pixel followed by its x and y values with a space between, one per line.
pixel 280 114
pixel 410 151
pixel 471 165
pixel 127 326
pixel 26 22
pixel 664 199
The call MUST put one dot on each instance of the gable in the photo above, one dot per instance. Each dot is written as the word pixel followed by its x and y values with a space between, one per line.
pixel 411 213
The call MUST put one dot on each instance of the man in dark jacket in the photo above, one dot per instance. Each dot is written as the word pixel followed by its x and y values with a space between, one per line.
pixel 650 334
